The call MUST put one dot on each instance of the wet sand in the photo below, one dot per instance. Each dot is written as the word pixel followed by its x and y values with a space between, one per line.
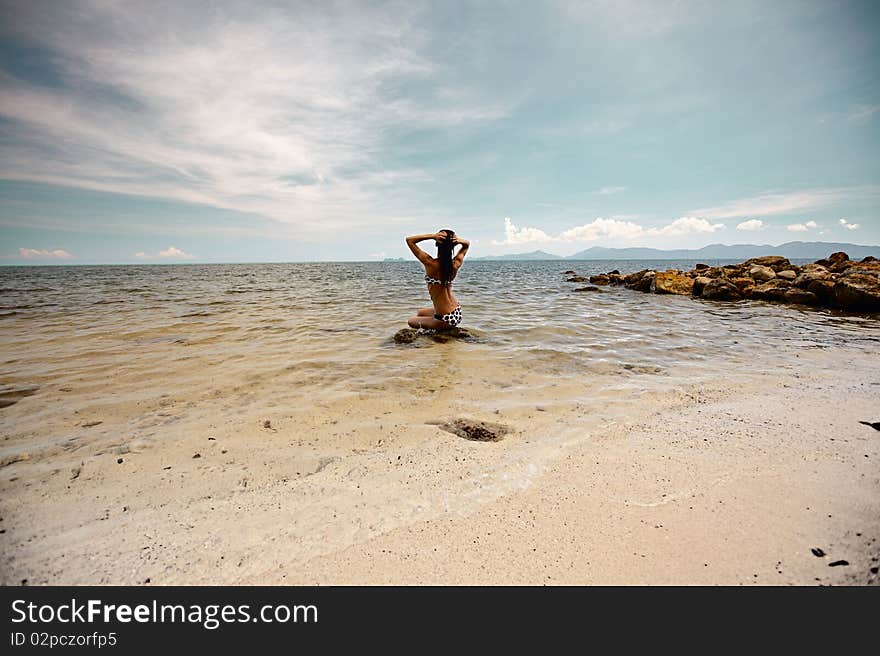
pixel 730 482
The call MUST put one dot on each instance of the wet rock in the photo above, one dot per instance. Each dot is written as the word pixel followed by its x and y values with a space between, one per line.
pixel 817 552
pixel 477 431
pixel 569 273
pixel 588 288
pixel 870 258
pixel 672 282
pixel 601 279
pixel 788 274
pixel 645 283
pixel 700 283
pixel 761 273
pixel 721 290
pixel 701 266
pixel 577 279
pixel 413 336
pixel 800 296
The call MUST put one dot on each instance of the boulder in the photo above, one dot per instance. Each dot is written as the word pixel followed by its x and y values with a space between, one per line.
pixel 701 266
pixel 823 289
pixel 576 279
pixel 870 258
pixel 775 262
pixel 859 289
pixel 672 282
pixel 761 273
pixel 615 278
pixel 788 274
pixel 800 296
pixel 744 285
pixel 838 257
pixel 773 290
pixel 714 272
pixel 720 290
pixel 632 278
pixel 645 283
pixel 700 283
pixel 601 279
pixel 806 277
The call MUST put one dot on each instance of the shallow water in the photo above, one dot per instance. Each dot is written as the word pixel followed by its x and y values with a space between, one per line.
pixel 317 333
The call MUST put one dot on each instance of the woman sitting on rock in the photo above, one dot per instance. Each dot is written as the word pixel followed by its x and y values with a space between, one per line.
pixel 440 271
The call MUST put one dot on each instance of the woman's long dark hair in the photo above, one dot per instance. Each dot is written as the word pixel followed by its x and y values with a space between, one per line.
pixel 444 254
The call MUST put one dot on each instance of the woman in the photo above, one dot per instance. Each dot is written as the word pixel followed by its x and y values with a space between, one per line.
pixel 439 274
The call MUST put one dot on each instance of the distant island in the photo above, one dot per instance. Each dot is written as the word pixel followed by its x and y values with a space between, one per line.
pixel 795 250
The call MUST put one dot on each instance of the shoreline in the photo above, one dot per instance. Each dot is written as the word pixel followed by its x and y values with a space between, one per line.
pixel 418 505
pixel 727 490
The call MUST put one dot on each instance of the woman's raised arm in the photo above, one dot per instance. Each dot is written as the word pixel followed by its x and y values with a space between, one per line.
pixel 465 245
pixel 421 255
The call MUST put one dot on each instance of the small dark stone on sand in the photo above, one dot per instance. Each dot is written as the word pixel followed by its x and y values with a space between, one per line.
pixel 477 431
pixel 119 461
pixel 223 451
pixel 146 581
pixel 92 423
pixel 212 438
pixel 817 552
pixel 169 467
pixel 267 424
pixel 874 570
pixel 838 563
pixel 197 455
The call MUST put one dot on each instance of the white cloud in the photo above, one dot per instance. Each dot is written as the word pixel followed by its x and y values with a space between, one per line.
pixel 785 203
pixel 750 225
pixel 279 112
pixel 688 225
pixel 39 253
pixel 602 228
pixel 170 253
pixel 849 226
pixel 605 191
pixel 514 235
pixel 802 227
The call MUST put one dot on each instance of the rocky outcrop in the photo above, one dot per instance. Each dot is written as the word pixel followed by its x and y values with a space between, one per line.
pixel 836 282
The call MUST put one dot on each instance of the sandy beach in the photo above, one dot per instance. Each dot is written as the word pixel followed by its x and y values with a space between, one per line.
pixel 729 483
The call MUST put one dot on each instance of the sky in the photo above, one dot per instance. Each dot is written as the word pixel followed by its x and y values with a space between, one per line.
pixel 289 131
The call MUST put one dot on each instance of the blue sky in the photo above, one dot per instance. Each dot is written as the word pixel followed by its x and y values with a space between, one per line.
pixel 273 131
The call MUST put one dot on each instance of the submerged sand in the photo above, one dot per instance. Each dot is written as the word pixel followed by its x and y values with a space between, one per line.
pixel 732 482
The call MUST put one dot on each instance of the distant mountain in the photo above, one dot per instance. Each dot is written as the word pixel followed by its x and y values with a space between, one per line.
pixel 794 250
pixel 534 255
